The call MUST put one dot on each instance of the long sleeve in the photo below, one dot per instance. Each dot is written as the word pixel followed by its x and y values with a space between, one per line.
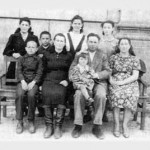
pixel 106 71
pixel 8 51
pixel 20 70
pixel 39 71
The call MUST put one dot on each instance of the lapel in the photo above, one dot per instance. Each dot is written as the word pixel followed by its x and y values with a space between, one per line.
pixel 96 60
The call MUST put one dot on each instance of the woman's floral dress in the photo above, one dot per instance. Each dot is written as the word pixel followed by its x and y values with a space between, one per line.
pixel 124 96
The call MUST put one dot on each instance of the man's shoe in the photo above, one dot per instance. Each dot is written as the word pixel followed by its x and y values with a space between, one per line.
pixel 48 131
pixel 98 132
pixel 31 127
pixel 58 132
pixel 77 131
pixel 19 128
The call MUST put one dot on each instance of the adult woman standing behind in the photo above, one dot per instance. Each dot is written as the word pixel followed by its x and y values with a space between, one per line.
pixel 124 89
pixel 15 46
pixel 56 64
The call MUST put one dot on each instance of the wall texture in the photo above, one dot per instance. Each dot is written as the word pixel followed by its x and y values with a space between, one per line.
pixel 134 24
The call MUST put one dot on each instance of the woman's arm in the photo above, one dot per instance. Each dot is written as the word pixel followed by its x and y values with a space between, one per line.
pixel 132 78
pixel 8 51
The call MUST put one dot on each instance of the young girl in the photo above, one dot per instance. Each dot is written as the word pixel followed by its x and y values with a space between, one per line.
pixel 81 76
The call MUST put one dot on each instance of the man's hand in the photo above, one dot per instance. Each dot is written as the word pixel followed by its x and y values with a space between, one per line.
pixel 24 85
pixel 64 83
pixel 31 85
pixel 16 55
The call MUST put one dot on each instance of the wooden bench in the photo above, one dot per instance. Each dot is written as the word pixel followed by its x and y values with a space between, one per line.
pixel 8 95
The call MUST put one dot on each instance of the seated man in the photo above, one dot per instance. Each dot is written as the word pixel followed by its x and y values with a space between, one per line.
pixel 99 63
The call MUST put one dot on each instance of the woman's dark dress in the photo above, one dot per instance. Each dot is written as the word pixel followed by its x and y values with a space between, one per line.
pixel 56 68
pixel 16 44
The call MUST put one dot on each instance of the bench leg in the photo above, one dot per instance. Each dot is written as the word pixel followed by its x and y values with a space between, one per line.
pixel 143 114
pixel 4 111
pixel 0 113
pixel 135 116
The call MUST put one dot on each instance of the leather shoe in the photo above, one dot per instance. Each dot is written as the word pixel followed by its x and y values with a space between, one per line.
pixel 98 132
pixel 58 132
pixel 19 128
pixel 77 131
pixel 48 131
pixel 31 127
pixel 116 133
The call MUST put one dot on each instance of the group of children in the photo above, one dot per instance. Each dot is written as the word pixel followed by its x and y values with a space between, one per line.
pixel 30 72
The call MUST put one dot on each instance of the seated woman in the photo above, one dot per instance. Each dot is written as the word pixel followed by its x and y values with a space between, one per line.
pixel 124 89
pixel 56 64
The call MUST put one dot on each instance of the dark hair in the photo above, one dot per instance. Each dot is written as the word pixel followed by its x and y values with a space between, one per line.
pixel 83 55
pixel 109 22
pixel 131 52
pixel 60 34
pixel 45 32
pixel 75 18
pixel 93 34
pixel 27 20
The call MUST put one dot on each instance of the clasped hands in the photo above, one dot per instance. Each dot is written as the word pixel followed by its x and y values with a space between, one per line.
pixel 26 86
pixel 115 83
pixel 64 83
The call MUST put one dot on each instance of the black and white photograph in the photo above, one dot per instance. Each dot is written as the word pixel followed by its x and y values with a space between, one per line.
pixel 74 74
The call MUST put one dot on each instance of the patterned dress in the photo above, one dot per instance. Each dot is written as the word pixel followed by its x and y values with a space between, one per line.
pixel 124 96
pixel 78 75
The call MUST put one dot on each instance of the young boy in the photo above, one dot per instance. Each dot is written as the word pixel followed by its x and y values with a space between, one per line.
pixel 29 75
pixel 45 39
pixel 81 76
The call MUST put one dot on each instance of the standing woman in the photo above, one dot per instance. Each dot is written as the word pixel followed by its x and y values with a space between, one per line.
pixel 108 41
pixel 124 89
pixel 76 40
pixel 15 46
pixel 108 46
pixel 56 64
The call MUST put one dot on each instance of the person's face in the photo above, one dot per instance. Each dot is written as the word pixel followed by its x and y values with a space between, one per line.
pixel 59 42
pixel 45 39
pixel 24 26
pixel 83 61
pixel 108 29
pixel 124 46
pixel 77 25
pixel 31 48
pixel 92 43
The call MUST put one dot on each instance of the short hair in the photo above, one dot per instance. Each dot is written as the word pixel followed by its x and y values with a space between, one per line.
pixel 83 55
pixel 76 17
pixel 32 41
pixel 93 34
pixel 108 21
pixel 45 32
pixel 60 34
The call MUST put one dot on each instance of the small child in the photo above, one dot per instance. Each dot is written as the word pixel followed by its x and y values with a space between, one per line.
pixel 81 76
pixel 45 39
pixel 29 74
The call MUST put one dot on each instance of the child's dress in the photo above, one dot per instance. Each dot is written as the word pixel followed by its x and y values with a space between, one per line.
pixel 82 76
